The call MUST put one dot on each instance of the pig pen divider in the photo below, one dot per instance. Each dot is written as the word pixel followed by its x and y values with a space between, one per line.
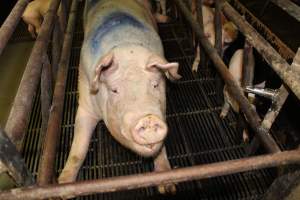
pixel 38 64
pixel 151 179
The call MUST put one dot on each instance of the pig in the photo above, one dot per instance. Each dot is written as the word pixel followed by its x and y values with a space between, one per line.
pixel 121 80
pixel 34 14
pixel 236 69
pixel 229 31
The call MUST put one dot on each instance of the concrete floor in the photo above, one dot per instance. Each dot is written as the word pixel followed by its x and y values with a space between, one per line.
pixel 12 64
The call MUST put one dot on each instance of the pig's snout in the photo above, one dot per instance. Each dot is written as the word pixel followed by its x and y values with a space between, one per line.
pixel 149 130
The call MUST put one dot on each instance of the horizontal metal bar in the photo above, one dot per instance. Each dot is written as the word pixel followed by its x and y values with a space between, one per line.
pixel 279 65
pixel 10 24
pixel 233 87
pixel 153 178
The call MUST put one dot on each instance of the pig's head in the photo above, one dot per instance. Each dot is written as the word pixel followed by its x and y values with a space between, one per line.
pixel 229 33
pixel 131 84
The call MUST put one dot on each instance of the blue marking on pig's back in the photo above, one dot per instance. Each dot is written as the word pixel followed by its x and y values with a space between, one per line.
pixel 110 24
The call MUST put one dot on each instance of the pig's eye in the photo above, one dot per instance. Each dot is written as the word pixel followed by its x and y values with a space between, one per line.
pixel 115 91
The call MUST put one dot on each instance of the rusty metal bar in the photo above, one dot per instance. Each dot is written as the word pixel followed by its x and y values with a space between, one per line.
pixel 279 65
pixel 278 101
pixel 19 114
pixel 10 24
pixel 13 161
pixel 288 6
pixel 56 46
pixel 130 182
pixel 218 26
pixel 248 66
pixel 233 87
pixel 280 46
pixel 46 166
pixel 46 93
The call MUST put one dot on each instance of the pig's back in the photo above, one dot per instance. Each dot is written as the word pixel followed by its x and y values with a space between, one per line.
pixel 111 23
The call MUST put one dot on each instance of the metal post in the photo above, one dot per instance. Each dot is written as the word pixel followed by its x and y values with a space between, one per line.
pixel 19 114
pixel 248 66
pixel 234 89
pixel 12 160
pixel 131 182
pixel 46 167
pixel 280 66
pixel 10 24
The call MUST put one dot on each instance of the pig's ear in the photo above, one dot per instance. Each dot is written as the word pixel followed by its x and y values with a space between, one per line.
pixel 170 69
pixel 104 63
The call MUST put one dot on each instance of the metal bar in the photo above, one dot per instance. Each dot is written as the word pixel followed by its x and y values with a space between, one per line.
pixel 10 24
pixel 46 168
pixel 19 114
pixel 279 65
pixel 280 46
pixel 264 92
pixel 46 93
pixel 233 87
pixel 130 182
pixel 13 161
pixel 288 6
pixel 282 95
pixel 218 44
pixel 248 66
pixel 56 47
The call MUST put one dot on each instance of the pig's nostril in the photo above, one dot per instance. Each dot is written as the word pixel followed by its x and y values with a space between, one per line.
pixel 149 130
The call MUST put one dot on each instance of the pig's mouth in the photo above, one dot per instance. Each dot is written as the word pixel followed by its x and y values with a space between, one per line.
pixel 148 150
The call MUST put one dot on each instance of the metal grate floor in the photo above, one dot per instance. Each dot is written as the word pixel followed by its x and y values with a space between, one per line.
pixel 197 135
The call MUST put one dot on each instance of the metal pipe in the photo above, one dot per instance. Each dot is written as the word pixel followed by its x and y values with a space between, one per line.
pixel 13 162
pixel 264 92
pixel 234 89
pixel 280 66
pixel 279 45
pixel 275 108
pixel 19 114
pixel 288 6
pixel 130 182
pixel 248 65
pixel 46 166
pixel 10 24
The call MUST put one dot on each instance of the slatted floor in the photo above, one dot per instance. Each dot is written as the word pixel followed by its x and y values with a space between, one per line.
pixel 196 133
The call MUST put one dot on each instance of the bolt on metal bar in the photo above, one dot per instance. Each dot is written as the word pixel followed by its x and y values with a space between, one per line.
pixel 19 114
pixel 131 182
pixel 13 161
pixel 10 24
pixel 234 89
pixel 46 166
pixel 279 65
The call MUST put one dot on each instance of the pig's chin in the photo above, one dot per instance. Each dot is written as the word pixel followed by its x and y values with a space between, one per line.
pixel 147 150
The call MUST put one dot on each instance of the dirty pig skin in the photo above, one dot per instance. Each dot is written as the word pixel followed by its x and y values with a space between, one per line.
pixel 122 82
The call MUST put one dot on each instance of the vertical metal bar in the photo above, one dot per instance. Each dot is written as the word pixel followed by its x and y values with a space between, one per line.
pixel 19 114
pixel 218 42
pixel 279 65
pixel 46 169
pixel 13 161
pixel 275 108
pixel 248 66
pixel 56 46
pixel 46 93
pixel 234 89
pixel 10 24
